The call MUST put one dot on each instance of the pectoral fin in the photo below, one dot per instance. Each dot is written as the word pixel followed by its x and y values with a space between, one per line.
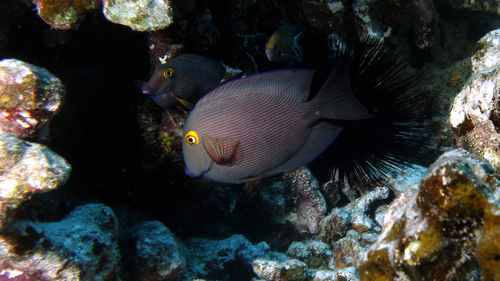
pixel 222 151
pixel 189 106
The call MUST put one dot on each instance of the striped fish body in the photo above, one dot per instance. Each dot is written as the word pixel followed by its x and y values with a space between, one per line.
pixel 261 126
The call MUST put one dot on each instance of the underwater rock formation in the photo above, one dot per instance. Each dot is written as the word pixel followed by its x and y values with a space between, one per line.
pixel 439 230
pixel 29 97
pixel 143 15
pixel 490 6
pixel 211 257
pixel 26 168
pixel 159 256
pixel 82 246
pixel 375 17
pixel 65 14
pixel 162 135
pixel 310 205
pixel 475 116
pixel 288 270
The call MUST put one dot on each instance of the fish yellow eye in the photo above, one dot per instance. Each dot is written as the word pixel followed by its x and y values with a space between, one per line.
pixel 168 73
pixel 191 138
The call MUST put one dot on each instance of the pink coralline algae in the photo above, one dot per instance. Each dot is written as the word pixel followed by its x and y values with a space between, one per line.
pixel 310 205
pixel 29 97
pixel 65 14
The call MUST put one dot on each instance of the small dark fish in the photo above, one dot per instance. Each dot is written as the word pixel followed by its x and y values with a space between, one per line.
pixel 182 81
pixel 282 43
pixel 264 124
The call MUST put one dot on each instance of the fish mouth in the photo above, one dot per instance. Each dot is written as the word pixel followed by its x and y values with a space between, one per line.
pixel 147 90
pixel 189 173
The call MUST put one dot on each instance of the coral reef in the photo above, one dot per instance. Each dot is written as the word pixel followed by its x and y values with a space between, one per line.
pixel 159 256
pixel 25 169
pixel 435 232
pixel 82 246
pixel 490 6
pixel 211 257
pixel 29 97
pixel 300 226
pixel 475 116
pixel 162 135
pixel 65 14
pixel 143 15
pixel 310 205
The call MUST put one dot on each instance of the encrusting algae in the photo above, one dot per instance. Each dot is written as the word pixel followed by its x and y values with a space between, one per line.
pixel 436 236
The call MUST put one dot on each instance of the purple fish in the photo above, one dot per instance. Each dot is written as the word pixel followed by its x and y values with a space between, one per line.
pixel 264 124
pixel 183 80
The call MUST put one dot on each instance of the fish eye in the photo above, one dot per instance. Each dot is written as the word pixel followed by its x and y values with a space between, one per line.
pixel 191 138
pixel 168 73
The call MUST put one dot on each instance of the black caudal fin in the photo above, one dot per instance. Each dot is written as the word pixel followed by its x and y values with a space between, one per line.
pixel 368 151
pixel 335 98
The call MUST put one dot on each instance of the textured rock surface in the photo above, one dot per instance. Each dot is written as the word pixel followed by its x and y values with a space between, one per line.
pixel 66 14
pixel 432 232
pixel 25 169
pixel 475 116
pixel 29 97
pixel 310 205
pixel 80 247
pixel 142 15
pixel 211 257
pixel 491 6
pixel 159 256
pixel 272 270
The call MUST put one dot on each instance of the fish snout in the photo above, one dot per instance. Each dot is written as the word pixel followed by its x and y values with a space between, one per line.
pixel 147 89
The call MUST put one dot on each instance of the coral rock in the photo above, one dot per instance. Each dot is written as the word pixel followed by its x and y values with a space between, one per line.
pixel 80 247
pixel 288 270
pixel 314 253
pixel 29 97
pixel 432 233
pixel 209 257
pixel 65 14
pixel 141 15
pixel 26 168
pixel 475 116
pixel 347 274
pixel 311 205
pixel 159 256
pixel 486 5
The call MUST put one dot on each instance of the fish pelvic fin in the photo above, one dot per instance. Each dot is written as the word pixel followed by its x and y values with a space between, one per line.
pixel 222 151
pixel 335 98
